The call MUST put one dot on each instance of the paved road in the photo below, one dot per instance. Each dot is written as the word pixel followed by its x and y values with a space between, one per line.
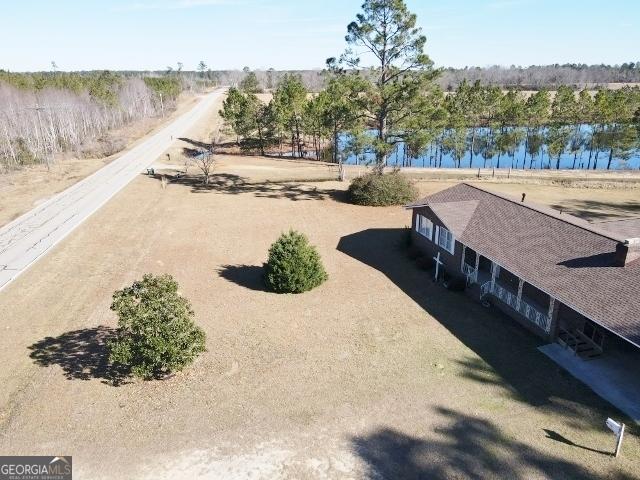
pixel 29 237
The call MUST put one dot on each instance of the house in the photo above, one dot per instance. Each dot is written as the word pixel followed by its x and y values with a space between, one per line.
pixel 565 279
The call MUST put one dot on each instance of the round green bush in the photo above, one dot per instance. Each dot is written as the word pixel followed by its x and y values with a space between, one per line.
pixel 378 189
pixel 294 265
pixel 156 333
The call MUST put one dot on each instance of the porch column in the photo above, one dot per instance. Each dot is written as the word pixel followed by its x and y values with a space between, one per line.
pixel 552 318
pixel 464 251
pixel 475 273
pixel 519 299
pixel 494 274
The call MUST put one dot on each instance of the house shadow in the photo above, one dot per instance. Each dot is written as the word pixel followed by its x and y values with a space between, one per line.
pixel 82 354
pixel 467 447
pixel 508 354
pixel 247 276
pixel 231 184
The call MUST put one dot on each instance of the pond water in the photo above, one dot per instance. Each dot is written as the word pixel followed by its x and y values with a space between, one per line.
pixel 432 158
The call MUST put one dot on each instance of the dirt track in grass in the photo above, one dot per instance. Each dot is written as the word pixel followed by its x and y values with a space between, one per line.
pixel 378 373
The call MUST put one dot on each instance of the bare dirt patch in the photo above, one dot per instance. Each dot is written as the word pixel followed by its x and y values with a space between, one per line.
pixel 378 373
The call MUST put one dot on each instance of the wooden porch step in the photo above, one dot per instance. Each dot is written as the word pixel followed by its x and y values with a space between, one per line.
pixel 581 345
pixel 591 355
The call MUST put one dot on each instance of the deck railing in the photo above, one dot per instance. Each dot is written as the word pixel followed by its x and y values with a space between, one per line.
pixel 485 289
pixel 523 307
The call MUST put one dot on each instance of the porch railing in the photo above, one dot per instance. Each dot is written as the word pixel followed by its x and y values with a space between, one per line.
pixel 470 272
pixel 485 289
pixel 523 307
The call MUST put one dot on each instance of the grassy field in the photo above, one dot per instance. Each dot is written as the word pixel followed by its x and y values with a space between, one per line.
pixel 378 372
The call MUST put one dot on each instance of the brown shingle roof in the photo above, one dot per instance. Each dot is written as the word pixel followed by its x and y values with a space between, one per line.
pixel 627 227
pixel 562 255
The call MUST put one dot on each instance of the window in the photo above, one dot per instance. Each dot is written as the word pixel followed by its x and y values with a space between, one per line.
pixel 424 226
pixel 444 238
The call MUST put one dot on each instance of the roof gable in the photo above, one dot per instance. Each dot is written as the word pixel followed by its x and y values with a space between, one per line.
pixel 455 215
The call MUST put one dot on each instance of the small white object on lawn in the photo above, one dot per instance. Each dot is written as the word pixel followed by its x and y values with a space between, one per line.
pixel 618 430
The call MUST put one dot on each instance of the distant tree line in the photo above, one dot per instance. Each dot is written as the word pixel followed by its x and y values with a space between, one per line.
pixel 268 80
pixel 534 77
pixel 537 77
pixel 43 114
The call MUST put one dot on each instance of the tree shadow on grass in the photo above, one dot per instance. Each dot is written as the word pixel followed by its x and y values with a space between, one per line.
pixel 251 147
pixel 82 354
pixel 248 276
pixel 235 185
pixel 508 354
pixel 200 144
pixel 467 447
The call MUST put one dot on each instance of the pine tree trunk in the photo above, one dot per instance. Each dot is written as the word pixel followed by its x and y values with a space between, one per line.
pixel 473 141
pixel 335 144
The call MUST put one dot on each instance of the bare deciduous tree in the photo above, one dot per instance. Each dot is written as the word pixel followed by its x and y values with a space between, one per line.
pixel 204 158
pixel 37 124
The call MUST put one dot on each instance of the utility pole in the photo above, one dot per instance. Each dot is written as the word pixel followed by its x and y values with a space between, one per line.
pixel 38 109
pixel 161 106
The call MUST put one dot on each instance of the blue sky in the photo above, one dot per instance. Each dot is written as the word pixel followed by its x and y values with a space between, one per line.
pixel 151 34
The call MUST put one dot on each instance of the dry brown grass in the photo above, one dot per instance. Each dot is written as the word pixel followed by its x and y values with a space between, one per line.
pixel 376 372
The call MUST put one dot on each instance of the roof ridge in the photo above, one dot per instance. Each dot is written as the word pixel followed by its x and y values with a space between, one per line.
pixel 578 222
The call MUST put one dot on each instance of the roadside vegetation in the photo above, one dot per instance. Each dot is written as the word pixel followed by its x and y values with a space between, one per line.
pixel 294 265
pixel 47 113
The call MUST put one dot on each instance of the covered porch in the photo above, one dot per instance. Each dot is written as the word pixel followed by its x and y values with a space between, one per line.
pixel 514 295
pixel 536 309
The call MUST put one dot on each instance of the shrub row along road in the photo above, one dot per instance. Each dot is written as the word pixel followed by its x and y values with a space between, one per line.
pixel 30 236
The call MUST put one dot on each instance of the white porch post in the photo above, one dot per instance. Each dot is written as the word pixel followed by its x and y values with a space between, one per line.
pixel 552 304
pixel 464 251
pixel 477 261
pixel 520 285
pixel 494 274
